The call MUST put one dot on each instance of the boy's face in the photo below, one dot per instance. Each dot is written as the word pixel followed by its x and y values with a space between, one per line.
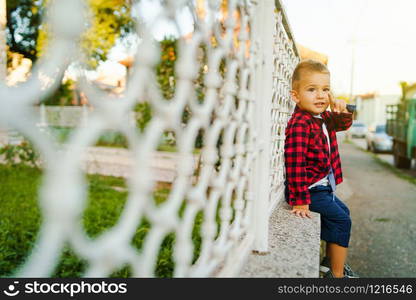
pixel 311 92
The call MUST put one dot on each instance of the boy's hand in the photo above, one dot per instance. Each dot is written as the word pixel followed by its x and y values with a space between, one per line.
pixel 337 105
pixel 301 211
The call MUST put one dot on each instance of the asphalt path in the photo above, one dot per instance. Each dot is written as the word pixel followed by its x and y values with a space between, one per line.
pixel 383 212
pixel 386 157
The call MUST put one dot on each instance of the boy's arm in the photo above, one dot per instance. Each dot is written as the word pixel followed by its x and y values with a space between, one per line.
pixel 296 146
pixel 341 117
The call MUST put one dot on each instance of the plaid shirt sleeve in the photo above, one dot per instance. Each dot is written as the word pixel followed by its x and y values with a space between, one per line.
pixel 341 121
pixel 296 147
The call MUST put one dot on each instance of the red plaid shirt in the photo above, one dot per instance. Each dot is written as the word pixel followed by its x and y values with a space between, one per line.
pixel 307 154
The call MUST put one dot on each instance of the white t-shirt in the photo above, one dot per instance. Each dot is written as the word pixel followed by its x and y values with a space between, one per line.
pixel 323 181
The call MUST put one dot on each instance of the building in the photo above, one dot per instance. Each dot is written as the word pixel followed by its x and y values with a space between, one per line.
pixel 371 108
pixel 306 53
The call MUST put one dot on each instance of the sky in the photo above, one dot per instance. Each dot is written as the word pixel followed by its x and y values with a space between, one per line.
pixel 384 32
pixel 370 44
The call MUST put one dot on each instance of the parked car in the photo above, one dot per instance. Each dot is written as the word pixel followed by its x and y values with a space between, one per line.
pixel 378 140
pixel 357 129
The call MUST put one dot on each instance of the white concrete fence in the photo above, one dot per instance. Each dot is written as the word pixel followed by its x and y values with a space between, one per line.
pixel 248 109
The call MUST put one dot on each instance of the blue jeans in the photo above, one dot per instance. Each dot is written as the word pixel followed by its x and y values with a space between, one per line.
pixel 335 215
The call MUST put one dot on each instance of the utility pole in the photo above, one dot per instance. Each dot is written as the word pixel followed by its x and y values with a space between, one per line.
pixel 352 69
pixel 3 46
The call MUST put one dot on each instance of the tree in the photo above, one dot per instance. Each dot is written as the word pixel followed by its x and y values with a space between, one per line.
pixel 27 35
pixel 24 20
pixel 404 86
pixel 110 20
pixel 3 46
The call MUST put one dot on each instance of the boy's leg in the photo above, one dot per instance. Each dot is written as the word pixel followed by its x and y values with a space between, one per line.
pixel 338 256
pixel 335 227
pixel 335 220
pixel 347 211
pixel 337 253
pixel 342 205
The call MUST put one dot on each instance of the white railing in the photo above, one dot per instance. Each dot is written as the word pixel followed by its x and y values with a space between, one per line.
pixel 235 196
pixel 285 60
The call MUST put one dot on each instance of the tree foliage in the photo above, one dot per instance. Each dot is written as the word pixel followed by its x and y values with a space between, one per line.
pixel 110 19
pixel 23 21
pixel 26 34
pixel 404 86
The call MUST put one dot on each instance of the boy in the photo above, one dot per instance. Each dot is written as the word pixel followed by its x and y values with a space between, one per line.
pixel 313 166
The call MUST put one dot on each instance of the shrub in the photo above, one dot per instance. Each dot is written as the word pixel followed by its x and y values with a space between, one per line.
pixel 63 95
pixel 23 153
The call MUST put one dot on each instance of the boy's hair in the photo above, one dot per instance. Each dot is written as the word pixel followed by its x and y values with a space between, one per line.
pixel 308 65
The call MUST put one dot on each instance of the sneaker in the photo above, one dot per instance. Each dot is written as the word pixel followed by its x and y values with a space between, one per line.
pixel 325 268
pixel 330 275
pixel 349 272
pixel 325 265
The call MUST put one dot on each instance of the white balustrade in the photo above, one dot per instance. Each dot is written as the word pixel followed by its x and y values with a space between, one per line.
pixel 285 61
pixel 247 110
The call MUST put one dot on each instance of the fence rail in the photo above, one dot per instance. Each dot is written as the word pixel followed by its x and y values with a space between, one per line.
pixel 250 56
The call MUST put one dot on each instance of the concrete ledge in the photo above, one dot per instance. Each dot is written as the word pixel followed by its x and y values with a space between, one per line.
pixel 294 245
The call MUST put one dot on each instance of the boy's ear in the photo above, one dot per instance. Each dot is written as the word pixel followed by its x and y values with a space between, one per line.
pixel 294 95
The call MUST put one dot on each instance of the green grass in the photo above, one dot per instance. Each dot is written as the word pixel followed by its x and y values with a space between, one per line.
pixel 20 220
pixel 382 220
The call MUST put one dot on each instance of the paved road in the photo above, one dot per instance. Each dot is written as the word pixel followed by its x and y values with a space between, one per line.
pixel 383 211
pixel 387 157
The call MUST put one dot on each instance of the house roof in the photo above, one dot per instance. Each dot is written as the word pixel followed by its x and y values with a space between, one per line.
pixel 366 96
pixel 306 53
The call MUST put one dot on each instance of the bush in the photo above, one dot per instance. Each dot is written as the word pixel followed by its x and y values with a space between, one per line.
pixel 23 153
pixel 166 78
pixel 63 95
pixel 144 115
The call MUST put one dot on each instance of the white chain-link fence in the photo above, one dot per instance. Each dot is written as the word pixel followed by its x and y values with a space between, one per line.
pixel 242 116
